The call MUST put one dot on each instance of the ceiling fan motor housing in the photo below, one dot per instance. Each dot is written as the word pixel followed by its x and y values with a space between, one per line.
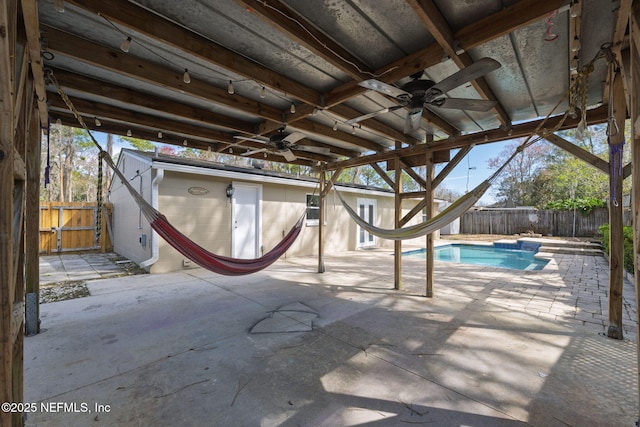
pixel 417 91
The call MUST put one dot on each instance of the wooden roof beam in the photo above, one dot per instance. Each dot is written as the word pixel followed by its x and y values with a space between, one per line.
pixel 430 15
pixel 280 16
pixel 579 152
pixel 132 118
pixel 141 20
pixel 32 29
pixel 67 119
pixel 61 43
pixel 500 23
pixel 77 82
pixel 594 116
pixel 151 25
pixel 68 45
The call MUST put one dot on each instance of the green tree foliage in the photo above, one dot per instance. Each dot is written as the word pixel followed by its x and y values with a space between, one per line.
pixel 74 163
pixel 552 177
pixel 447 194
pixel 364 175
pixel 585 206
pixel 516 183
pixel 137 143
pixel 627 241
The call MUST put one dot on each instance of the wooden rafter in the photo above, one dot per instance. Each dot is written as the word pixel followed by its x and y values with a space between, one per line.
pixel 65 44
pixel 114 60
pixel 597 115
pixel 430 15
pixel 280 16
pixel 507 20
pixel 32 30
pixel 151 25
pixel 88 85
pixel 579 152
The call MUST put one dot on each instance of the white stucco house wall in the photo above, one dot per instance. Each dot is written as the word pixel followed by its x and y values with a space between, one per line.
pixel 192 194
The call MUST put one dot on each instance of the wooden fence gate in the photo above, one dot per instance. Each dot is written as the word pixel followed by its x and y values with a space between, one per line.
pixel 71 227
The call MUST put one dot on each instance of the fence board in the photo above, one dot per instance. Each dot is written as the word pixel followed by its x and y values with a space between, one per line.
pixel 71 226
pixel 545 222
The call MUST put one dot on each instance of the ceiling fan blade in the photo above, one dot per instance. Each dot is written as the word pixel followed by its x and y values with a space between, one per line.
pixel 294 137
pixel 288 155
pixel 248 153
pixel 370 115
pixel 463 104
pixel 472 72
pixel 312 149
pixel 244 138
pixel 412 122
pixel 381 87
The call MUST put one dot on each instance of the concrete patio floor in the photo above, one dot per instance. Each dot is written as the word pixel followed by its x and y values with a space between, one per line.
pixel 290 347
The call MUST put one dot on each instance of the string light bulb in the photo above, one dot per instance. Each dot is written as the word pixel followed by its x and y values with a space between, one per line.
pixel 184 142
pixel 573 65
pixel 230 150
pixel 263 92
pixel 353 130
pixel 59 5
pixel 59 122
pixel 129 133
pixel 335 125
pixel 230 89
pixel 186 77
pixel 126 44
pixel 575 44
pixel 576 10
pixel 98 122
pixel 292 109
pixel 160 134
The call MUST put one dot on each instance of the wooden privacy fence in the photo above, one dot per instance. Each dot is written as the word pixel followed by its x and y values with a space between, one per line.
pixel 71 227
pixel 545 222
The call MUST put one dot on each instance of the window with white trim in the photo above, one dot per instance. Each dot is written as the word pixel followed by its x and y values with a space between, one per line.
pixel 313 209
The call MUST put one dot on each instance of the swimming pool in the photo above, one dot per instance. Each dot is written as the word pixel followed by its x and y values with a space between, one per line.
pixel 491 256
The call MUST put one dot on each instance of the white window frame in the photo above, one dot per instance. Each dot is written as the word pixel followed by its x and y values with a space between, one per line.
pixel 370 239
pixel 315 221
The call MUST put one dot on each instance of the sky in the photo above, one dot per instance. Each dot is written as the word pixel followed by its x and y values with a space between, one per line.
pixel 470 172
pixel 473 170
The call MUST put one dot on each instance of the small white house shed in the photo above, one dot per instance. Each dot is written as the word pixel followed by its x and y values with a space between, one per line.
pixel 234 211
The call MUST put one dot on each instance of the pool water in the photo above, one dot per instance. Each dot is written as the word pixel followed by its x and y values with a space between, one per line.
pixel 484 255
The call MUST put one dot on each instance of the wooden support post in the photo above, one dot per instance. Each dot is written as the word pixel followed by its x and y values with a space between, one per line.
pixel 429 256
pixel 32 227
pixel 634 36
pixel 10 343
pixel 321 219
pixel 397 244
pixel 616 239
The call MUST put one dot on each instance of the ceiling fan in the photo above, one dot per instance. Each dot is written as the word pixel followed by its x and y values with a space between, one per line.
pixel 282 144
pixel 420 93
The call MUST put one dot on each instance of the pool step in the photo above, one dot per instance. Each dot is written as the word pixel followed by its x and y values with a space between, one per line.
pixel 571 250
pixel 548 246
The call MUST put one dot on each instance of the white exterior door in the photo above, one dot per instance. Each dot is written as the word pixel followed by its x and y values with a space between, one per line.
pixel 367 211
pixel 246 221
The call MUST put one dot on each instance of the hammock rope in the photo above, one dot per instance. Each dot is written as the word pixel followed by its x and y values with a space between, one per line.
pixel 160 224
